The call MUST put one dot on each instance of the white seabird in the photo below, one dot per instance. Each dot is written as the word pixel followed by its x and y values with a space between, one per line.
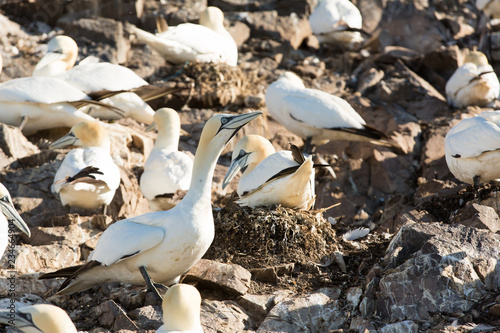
pixel 473 83
pixel 269 177
pixel 88 176
pixel 208 41
pixel 38 318
pixel 472 148
pixel 9 213
pixel 61 55
pixel 160 245
pixel 167 169
pixel 317 116
pixel 181 310
pixel 336 22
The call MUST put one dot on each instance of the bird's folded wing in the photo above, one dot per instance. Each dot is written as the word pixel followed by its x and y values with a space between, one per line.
pixel 473 138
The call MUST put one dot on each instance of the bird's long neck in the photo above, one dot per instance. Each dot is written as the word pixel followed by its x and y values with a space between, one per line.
pixel 167 139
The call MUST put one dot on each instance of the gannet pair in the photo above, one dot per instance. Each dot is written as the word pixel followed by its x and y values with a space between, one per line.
pixel 160 245
pixel 317 116
pixel 473 83
pixel 271 177
pixel 181 310
pixel 472 148
pixel 9 213
pixel 88 176
pixel 167 169
pixel 208 41
pixel 336 22
pixel 38 318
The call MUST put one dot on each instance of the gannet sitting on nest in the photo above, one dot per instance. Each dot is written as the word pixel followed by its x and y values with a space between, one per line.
pixel 38 318
pixel 472 148
pixel 269 177
pixel 88 177
pixel 9 213
pixel 208 41
pixel 181 310
pixel 160 245
pixel 167 169
pixel 473 83
pixel 336 22
pixel 317 116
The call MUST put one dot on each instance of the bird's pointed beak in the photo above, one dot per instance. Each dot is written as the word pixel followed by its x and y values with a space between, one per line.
pixel 67 140
pixel 236 165
pixel 152 127
pixel 238 121
pixel 49 58
pixel 12 215
pixel 16 319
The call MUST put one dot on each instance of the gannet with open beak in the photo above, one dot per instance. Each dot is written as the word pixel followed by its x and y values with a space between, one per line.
pixel 208 41
pixel 269 177
pixel 9 213
pixel 472 148
pixel 38 318
pixel 336 22
pixel 88 176
pixel 167 169
pixel 473 83
pixel 181 310
pixel 317 116
pixel 160 245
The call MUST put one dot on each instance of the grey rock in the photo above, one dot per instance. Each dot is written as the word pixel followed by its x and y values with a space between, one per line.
pixel 353 297
pixel 362 325
pixel 14 145
pixel 478 216
pixel 108 312
pixel 147 317
pixel 124 323
pixel 406 326
pixel 225 316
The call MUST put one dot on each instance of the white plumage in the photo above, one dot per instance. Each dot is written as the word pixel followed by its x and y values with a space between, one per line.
pixel 39 318
pixel 8 212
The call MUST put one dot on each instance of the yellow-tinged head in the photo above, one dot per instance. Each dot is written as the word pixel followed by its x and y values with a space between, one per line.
pixel 86 134
pixel 292 78
pixel 181 308
pixel 61 50
pixel 476 57
pixel 44 318
pixel 212 18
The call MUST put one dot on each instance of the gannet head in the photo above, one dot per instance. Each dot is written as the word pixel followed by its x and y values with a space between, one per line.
pixel 10 212
pixel 212 18
pixel 60 48
pixel 247 154
pixel 292 79
pixel 40 318
pixel 181 308
pixel 476 57
pixel 86 134
pixel 168 124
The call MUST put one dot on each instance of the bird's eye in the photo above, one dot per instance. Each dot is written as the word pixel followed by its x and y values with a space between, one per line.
pixel 224 120
pixel 242 152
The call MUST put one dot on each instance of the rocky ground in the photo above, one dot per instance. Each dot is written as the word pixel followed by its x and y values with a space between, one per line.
pixel 430 261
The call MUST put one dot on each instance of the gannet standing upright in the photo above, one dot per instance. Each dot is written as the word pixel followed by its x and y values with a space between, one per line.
pixel 181 310
pixel 472 148
pixel 160 245
pixel 473 83
pixel 317 116
pixel 269 177
pixel 208 41
pixel 167 169
pixel 9 213
pixel 88 177
pixel 38 318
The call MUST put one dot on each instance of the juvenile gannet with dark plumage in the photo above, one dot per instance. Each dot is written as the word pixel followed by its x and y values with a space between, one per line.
pixel 317 116
pixel 208 41
pixel 38 318
pixel 472 148
pixel 160 245
pixel 473 83
pixel 88 176
pixel 9 213
pixel 167 169
pixel 181 310
pixel 269 177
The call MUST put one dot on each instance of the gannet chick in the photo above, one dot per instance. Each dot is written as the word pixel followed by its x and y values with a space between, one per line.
pixel 88 176
pixel 208 41
pixel 167 169
pixel 317 116
pixel 9 213
pixel 181 310
pixel 491 8
pixel 472 148
pixel 160 245
pixel 336 22
pixel 38 318
pixel 269 177
pixel 473 83
pixel 61 55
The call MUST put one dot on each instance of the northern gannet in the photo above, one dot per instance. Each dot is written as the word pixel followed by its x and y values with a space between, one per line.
pixel 336 22
pixel 317 116
pixel 88 176
pixel 208 41
pixel 473 83
pixel 167 169
pixel 61 55
pixel 160 245
pixel 271 177
pixel 491 8
pixel 472 148
pixel 9 213
pixel 181 310
pixel 38 318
